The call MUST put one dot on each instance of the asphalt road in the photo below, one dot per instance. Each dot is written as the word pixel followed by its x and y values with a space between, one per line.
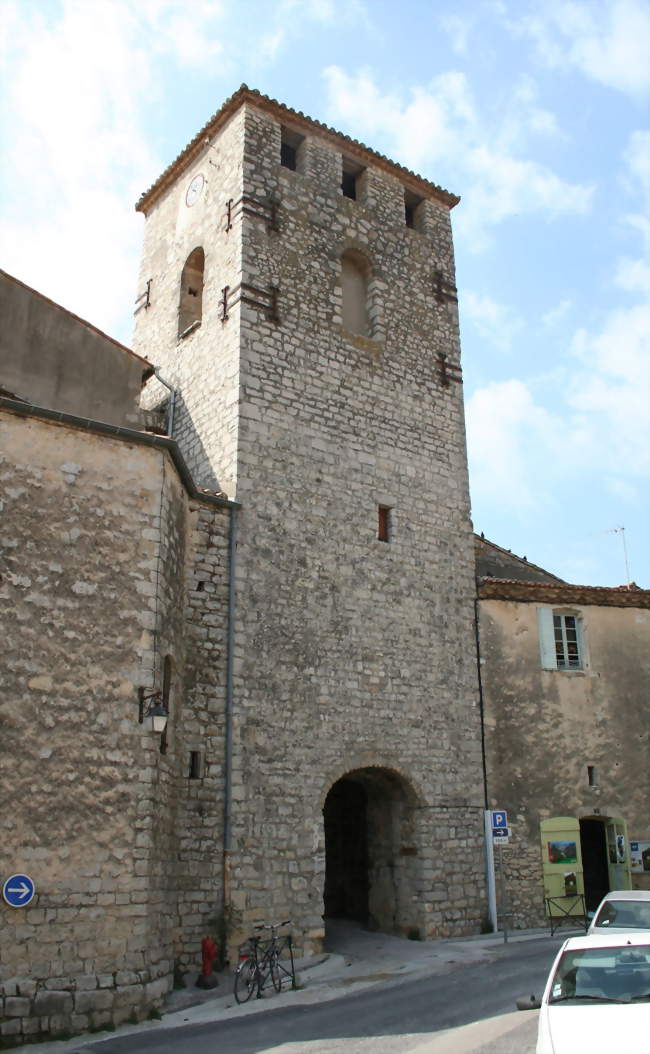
pixel 394 1017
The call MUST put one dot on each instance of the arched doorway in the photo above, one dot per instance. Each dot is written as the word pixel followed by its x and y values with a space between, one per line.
pixel 371 853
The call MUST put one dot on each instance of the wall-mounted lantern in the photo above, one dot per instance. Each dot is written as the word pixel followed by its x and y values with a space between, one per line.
pixel 152 706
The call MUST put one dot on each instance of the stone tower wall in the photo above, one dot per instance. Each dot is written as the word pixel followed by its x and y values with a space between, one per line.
pixel 354 652
pixel 351 654
pixel 204 365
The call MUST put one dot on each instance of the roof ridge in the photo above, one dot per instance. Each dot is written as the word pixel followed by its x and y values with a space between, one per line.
pixel 521 559
pixel 232 104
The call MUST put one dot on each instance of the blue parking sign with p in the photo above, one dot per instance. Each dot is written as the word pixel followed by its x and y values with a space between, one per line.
pixel 499 819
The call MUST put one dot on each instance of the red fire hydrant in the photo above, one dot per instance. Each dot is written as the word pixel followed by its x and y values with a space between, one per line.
pixel 206 978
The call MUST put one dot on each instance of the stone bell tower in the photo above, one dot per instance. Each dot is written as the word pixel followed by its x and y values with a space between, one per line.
pixel 297 291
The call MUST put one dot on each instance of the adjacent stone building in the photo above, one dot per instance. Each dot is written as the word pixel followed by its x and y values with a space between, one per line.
pixel 289 570
pixel 104 542
pixel 565 672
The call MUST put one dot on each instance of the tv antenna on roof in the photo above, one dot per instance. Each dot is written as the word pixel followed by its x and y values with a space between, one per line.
pixel 621 531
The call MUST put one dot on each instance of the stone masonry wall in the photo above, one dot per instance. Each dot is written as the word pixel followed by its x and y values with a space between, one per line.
pixel 204 365
pixel 87 588
pixel 198 875
pixel 544 727
pixel 353 652
pixel 350 653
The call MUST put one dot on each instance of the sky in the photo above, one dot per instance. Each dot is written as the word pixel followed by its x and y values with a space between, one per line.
pixel 534 111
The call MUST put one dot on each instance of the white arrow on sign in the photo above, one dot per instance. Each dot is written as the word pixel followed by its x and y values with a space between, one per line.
pixel 23 889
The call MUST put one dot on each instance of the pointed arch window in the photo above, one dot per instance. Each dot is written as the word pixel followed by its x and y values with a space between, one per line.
pixel 355 273
pixel 190 307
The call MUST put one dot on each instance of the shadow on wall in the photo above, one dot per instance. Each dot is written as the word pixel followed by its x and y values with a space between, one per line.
pixel 176 421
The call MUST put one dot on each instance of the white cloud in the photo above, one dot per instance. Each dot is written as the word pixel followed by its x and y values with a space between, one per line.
pixel 637 158
pixel 442 124
pixel 599 428
pixel 633 276
pixel 607 40
pixel 81 78
pixel 494 322
pixel 458 29
pixel 505 186
pixel 558 313
pixel 614 387
pixel 508 434
pixel 286 21
pixel 77 154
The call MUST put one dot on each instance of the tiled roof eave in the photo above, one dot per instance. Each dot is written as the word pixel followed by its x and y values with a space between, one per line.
pixel 297 119
pixel 562 593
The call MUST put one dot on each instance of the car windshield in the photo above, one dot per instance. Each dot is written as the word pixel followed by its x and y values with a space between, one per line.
pixel 603 974
pixel 630 914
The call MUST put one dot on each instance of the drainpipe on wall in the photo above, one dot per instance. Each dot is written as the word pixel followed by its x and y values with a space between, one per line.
pixel 487 822
pixel 230 658
pixel 172 399
pixel 480 698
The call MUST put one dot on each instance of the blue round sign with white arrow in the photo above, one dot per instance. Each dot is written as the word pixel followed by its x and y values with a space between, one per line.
pixel 19 890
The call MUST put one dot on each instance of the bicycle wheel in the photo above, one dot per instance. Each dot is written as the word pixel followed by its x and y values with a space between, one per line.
pixel 246 980
pixel 276 976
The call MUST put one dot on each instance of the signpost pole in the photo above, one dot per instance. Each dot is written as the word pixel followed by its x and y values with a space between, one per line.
pixel 504 913
pixel 489 869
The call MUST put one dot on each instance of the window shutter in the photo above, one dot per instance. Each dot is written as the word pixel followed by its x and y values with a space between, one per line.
pixel 546 638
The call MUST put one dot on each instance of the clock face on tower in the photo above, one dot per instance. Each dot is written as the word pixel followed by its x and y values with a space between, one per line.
pixel 193 192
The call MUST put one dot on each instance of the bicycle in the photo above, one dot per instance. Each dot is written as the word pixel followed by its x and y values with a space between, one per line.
pixel 256 969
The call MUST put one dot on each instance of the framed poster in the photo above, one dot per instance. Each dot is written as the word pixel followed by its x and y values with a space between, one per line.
pixel 562 852
pixel 639 856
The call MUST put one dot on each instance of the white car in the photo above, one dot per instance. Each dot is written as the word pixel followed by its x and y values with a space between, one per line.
pixel 597 997
pixel 622 911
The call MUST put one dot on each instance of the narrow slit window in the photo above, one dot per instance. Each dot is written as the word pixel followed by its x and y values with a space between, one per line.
pixel 196 765
pixel 383 523
pixel 591 775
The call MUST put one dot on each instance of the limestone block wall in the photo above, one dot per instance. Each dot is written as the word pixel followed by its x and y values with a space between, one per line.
pixel 198 873
pixel 94 549
pixel 351 651
pixel 203 366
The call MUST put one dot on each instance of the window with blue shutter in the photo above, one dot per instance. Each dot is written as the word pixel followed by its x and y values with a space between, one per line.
pixel 560 640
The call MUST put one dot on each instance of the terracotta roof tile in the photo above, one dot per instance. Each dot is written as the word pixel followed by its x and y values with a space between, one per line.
pixel 630 596
pixel 245 94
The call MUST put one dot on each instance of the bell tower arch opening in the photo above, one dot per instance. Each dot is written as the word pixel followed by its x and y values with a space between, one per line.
pixel 190 305
pixel 372 861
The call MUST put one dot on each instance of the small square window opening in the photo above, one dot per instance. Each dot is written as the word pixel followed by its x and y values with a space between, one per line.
pixel 289 146
pixel 411 203
pixel 350 174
